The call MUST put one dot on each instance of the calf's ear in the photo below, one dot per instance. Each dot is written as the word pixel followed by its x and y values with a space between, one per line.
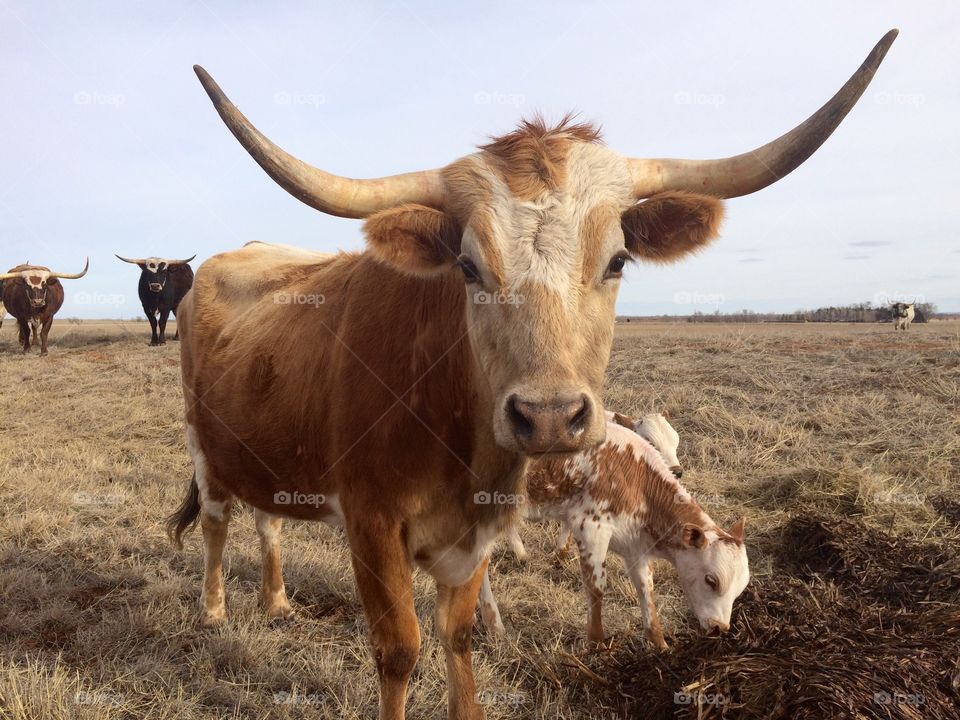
pixel 736 532
pixel 670 225
pixel 414 238
pixel 693 536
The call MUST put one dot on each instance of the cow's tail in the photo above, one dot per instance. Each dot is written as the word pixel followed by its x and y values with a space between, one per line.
pixel 185 517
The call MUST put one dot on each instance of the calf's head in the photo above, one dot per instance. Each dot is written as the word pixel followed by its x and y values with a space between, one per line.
pixel 713 570
pixel 539 223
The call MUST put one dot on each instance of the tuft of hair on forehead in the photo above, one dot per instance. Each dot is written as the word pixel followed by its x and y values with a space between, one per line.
pixel 532 159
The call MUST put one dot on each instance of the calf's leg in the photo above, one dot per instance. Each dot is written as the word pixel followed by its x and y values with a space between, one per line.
pixel 593 539
pixel 641 573
pixel 489 612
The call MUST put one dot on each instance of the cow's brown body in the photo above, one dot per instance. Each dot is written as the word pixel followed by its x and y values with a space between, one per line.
pixel 418 377
pixel 18 302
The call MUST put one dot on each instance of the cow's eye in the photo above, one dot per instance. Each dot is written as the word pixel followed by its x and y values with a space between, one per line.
pixel 711 580
pixel 615 268
pixel 469 268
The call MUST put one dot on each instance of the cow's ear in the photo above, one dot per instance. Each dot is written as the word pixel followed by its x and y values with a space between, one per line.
pixel 414 238
pixel 670 225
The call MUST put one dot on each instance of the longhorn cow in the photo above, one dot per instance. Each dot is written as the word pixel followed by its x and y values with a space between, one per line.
pixel 163 283
pixel 33 295
pixel 387 390
pixel 903 314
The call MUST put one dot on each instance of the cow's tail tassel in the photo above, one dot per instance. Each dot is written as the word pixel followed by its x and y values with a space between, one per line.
pixel 185 517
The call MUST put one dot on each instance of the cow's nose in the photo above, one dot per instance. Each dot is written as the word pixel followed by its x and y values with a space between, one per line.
pixel 677 471
pixel 554 426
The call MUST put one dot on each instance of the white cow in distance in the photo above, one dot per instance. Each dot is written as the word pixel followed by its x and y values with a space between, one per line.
pixel 903 314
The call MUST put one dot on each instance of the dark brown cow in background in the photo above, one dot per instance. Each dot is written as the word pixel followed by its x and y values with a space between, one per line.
pixel 163 283
pixel 33 295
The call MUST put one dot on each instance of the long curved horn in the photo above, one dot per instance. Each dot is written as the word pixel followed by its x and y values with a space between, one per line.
pixel 327 193
pixel 10 275
pixel 68 276
pixel 131 260
pixel 178 262
pixel 743 174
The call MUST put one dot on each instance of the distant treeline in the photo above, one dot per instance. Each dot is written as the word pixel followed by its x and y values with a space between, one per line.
pixel 859 313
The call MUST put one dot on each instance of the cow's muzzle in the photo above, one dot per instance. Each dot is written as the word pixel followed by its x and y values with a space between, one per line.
pixel 556 425
pixel 156 287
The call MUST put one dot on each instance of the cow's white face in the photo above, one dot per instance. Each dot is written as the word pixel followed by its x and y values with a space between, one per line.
pixel 36 286
pixel 539 225
pixel 541 277
pixel 713 571
pixel 156 273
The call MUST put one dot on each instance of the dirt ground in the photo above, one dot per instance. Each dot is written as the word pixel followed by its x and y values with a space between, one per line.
pixel 839 443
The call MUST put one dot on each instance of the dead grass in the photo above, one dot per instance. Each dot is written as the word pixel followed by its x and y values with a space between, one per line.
pixel 807 426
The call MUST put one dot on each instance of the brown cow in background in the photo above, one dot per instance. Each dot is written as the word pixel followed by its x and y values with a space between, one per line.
pixel 33 294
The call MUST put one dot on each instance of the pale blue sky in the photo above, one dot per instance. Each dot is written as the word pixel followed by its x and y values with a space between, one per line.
pixel 112 146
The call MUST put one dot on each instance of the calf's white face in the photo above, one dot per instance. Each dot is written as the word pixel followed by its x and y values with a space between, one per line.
pixel 713 571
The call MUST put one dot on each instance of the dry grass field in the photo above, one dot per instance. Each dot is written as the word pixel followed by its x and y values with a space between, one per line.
pixel 839 443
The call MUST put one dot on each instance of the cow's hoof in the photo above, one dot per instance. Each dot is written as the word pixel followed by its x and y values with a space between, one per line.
pixel 43 353
pixel 213 618
pixel 281 613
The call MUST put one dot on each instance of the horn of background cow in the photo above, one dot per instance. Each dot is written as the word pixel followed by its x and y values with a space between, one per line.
pixel 10 275
pixel 178 262
pixel 754 170
pixel 68 276
pixel 131 261
pixel 331 194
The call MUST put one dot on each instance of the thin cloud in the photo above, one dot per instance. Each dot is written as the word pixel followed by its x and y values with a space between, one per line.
pixel 870 243
pixel 751 260
pixel 857 257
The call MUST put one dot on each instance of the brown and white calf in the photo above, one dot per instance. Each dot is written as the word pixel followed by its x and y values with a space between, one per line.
pixel 623 497
pixel 655 428
pixel 387 389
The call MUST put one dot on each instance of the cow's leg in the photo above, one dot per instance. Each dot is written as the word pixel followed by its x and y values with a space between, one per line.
pixel 215 505
pixel 34 324
pixel 385 583
pixel 44 332
pixel 455 610
pixel 273 594
pixel 641 573
pixel 214 520
pixel 164 316
pixel 489 612
pixel 176 333
pixel 24 334
pixel 154 339
pixel 592 542
pixel 516 544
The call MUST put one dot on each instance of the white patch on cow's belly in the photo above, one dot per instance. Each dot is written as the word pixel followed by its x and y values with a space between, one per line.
pixel 332 503
pixel 453 565
pixel 202 474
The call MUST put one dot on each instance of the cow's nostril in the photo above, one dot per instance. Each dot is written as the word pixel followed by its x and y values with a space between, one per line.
pixel 677 471
pixel 522 425
pixel 581 414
